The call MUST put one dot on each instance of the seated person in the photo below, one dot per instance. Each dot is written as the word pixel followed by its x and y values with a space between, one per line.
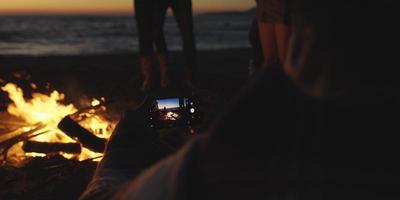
pixel 322 126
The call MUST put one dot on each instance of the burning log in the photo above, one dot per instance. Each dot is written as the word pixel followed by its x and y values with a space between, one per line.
pixel 74 130
pixel 8 143
pixel 48 148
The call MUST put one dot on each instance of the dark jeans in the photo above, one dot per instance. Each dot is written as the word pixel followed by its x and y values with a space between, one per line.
pixel 183 13
pixel 147 14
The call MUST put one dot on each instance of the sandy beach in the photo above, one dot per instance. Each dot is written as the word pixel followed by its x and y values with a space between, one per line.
pixel 118 76
pixel 221 73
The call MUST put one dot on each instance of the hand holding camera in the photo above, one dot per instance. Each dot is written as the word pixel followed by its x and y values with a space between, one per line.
pixel 143 124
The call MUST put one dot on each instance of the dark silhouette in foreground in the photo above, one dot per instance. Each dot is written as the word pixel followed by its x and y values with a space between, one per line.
pixel 322 127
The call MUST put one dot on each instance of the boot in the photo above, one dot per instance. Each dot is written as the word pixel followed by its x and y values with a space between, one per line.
pixel 163 62
pixel 146 73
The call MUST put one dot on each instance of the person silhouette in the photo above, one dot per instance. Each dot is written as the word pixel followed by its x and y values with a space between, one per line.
pixel 273 24
pixel 147 16
pixel 183 13
pixel 257 57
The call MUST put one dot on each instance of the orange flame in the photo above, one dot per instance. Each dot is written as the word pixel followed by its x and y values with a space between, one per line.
pixel 50 110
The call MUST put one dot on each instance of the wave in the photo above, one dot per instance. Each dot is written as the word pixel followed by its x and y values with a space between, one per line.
pixel 77 35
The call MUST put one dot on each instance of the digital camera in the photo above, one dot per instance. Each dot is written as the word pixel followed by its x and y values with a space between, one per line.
pixel 175 112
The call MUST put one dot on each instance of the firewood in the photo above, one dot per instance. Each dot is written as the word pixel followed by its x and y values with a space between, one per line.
pixel 48 148
pixel 8 143
pixel 77 132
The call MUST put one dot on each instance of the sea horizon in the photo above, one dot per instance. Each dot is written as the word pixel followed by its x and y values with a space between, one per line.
pixel 43 35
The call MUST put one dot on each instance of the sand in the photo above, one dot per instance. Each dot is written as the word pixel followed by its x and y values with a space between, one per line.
pixel 117 77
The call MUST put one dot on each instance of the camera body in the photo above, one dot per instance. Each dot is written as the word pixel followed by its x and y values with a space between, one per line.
pixel 172 112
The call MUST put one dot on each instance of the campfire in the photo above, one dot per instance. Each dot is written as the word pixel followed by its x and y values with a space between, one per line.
pixel 44 126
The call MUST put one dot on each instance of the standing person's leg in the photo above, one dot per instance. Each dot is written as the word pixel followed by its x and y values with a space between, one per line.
pixel 143 23
pixel 282 33
pixel 267 39
pixel 184 16
pixel 254 38
pixel 160 12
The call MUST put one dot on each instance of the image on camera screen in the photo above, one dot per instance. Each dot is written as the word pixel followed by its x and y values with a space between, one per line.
pixel 171 109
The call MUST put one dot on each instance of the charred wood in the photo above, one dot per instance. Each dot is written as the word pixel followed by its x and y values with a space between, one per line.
pixel 77 132
pixel 49 148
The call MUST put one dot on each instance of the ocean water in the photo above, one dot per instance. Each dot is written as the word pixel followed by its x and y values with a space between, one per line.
pixel 83 35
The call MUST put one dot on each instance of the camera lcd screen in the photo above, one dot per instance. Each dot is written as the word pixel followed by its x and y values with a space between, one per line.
pixel 171 109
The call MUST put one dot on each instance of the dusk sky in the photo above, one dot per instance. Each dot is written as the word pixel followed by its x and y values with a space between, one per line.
pixel 107 6
pixel 168 103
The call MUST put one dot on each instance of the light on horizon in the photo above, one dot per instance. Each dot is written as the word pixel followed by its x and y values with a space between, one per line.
pixel 60 7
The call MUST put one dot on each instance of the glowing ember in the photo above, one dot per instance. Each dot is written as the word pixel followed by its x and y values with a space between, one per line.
pixel 95 102
pixel 49 110
pixel 33 86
